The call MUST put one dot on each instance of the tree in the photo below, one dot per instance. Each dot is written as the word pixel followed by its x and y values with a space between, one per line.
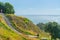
pixel 6 8
pixel 41 26
pixel 9 8
pixel 52 28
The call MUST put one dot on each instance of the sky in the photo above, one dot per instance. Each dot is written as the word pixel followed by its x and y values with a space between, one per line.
pixel 35 7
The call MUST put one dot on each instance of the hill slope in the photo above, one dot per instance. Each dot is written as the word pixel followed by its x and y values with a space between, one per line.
pixel 24 26
pixel 6 33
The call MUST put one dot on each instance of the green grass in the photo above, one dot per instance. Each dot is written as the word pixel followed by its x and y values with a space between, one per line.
pixel 7 34
pixel 19 26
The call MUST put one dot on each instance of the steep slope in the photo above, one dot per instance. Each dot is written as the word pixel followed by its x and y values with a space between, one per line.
pixel 16 34
pixel 6 33
pixel 19 28
pixel 25 26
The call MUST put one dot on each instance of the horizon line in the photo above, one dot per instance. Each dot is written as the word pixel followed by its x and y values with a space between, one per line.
pixel 38 15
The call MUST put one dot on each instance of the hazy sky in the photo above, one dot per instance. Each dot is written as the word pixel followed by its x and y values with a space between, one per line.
pixel 35 7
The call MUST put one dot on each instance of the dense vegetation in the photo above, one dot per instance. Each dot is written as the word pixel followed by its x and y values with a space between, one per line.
pixel 6 8
pixel 52 27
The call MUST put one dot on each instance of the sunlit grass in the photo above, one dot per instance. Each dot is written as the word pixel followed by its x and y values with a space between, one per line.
pixel 30 29
pixel 6 33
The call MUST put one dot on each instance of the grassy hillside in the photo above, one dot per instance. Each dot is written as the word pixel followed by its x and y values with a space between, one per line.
pixel 26 26
pixel 6 33
pixel 22 25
